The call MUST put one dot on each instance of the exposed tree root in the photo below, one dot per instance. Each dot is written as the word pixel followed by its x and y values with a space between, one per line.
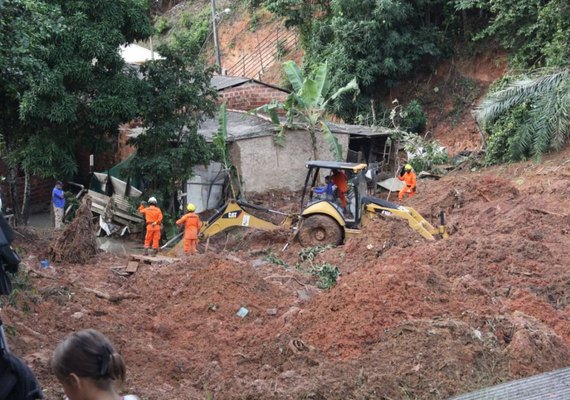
pixel 77 242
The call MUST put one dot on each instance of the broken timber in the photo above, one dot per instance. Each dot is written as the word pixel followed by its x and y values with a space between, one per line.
pixel 153 259
pixel 118 208
pixel 136 260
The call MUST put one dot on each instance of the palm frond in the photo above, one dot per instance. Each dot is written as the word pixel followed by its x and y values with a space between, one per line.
pixel 542 116
pixel 525 89
pixel 561 128
pixel 520 143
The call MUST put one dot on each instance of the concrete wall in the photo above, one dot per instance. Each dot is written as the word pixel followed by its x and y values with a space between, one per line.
pixel 249 96
pixel 266 166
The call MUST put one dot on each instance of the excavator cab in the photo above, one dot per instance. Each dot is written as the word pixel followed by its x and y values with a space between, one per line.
pixel 325 220
pixel 328 219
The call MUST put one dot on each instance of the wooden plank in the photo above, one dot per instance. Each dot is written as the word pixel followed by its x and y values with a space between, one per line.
pixel 132 267
pixel 153 259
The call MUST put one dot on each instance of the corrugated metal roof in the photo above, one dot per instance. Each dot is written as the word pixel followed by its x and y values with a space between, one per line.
pixel 554 385
pixel 242 125
pixel 221 82
pixel 361 130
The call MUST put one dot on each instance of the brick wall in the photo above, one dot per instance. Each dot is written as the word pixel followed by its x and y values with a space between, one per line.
pixel 124 149
pixel 249 95
pixel 40 191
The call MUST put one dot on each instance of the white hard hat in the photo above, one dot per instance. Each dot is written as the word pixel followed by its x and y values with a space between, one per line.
pixel 152 200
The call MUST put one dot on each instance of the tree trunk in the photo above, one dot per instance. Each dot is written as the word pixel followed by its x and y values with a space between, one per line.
pixel 26 198
pixel 12 175
pixel 313 143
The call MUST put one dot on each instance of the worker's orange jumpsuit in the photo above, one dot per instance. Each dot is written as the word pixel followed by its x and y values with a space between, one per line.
pixel 192 226
pixel 153 218
pixel 341 182
pixel 409 179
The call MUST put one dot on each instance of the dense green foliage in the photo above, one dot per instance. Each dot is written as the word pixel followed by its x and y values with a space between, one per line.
pixel 504 130
pixel 378 42
pixel 536 31
pixel 410 118
pixel 423 154
pixel 63 82
pixel 177 97
pixel 195 28
pixel 527 117
pixel 383 42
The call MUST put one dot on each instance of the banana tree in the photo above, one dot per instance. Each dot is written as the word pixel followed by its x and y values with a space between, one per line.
pixel 306 106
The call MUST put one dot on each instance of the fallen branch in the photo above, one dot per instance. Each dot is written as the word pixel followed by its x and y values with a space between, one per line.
pixel 115 298
pixel 561 165
pixel 30 331
pixel 285 277
pixel 539 210
pixel 40 274
pixel 483 196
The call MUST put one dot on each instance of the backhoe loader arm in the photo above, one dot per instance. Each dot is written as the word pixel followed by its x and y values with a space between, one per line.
pixel 415 220
pixel 233 214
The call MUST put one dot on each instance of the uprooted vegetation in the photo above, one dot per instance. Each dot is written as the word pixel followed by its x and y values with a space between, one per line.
pixel 77 242
pixel 407 318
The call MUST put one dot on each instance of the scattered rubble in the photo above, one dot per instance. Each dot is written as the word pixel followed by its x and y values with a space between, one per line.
pixel 77 242
pixel 407 318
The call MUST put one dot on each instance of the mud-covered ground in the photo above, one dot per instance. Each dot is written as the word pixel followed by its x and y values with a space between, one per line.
pixel 407 319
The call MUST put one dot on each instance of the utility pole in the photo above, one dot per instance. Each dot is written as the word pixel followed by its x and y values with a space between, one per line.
pixel 216 42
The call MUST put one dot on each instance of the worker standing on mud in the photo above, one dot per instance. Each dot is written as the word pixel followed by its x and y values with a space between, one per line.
pixel 58 202
pixel 408 176
pixel 153 218
pixel 340 180
pixel 192 224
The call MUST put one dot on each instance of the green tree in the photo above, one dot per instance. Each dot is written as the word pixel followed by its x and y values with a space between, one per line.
pixel 536 32
pixel 64 84
pixel 306 105
pixel 178 96
pixel 24 28
pixel 378 42
pixel 543 104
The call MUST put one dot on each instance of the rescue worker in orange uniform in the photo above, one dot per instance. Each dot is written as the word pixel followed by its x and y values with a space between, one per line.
pixel 408 176
pixel 192 224
pixel 153 218
pixel 340 180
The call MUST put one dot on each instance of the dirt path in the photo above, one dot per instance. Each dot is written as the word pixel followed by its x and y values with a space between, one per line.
pixel 407 319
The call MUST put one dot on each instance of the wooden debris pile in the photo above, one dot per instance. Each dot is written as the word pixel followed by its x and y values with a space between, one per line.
pixel 77 242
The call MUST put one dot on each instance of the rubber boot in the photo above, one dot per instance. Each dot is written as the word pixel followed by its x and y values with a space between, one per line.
pixel 145 252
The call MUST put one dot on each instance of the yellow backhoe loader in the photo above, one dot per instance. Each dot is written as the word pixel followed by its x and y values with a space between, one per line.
pixel 322 221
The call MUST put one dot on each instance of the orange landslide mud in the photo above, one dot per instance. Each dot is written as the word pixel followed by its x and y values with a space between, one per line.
pixel 408 318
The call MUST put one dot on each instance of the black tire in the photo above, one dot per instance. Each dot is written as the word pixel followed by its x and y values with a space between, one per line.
pixel 320 230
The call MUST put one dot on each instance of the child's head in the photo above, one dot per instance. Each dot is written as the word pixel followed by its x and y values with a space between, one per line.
pixel 85 360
